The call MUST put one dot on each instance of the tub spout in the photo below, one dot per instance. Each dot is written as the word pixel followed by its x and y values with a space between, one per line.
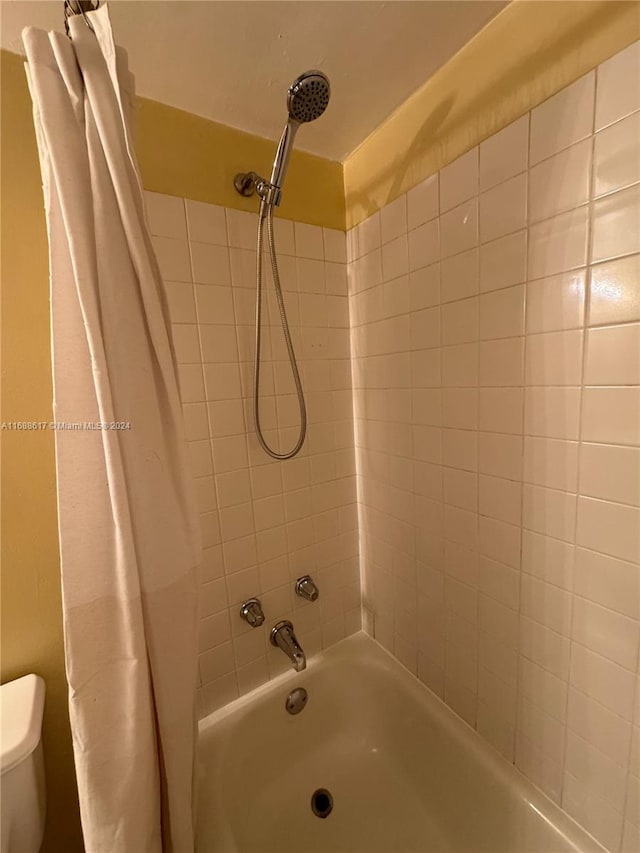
pixel 283 637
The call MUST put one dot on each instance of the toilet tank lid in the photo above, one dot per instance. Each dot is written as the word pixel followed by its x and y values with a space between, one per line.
pixel 21 709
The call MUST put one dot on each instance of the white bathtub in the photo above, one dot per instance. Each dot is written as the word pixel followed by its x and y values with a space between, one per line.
pixel 406 774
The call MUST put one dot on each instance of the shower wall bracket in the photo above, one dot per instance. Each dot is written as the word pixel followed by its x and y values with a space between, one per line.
pixel 246 183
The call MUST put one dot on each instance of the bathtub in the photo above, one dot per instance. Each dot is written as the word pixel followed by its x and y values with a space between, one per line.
pixel 405 773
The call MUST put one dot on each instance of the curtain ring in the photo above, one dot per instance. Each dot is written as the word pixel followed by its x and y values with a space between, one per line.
pixel 77 7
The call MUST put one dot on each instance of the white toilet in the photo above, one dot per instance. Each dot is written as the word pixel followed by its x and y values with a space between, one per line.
pixel 22 787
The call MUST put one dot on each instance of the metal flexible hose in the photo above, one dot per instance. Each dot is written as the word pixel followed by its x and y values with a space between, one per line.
pixel 287 337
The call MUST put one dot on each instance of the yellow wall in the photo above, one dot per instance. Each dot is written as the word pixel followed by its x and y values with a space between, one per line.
pixel 31 621
pixel 183 154
pixel 527 53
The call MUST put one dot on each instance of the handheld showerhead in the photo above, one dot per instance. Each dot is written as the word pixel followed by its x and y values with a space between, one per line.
pixel 307 99
pixel 308 96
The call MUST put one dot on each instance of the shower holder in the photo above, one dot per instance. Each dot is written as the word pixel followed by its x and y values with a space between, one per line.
pixel 246 183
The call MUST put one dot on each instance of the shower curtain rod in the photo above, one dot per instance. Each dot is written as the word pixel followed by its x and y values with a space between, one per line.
pixel 78 7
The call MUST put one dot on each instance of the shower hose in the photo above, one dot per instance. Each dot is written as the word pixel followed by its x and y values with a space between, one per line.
pixel 285 331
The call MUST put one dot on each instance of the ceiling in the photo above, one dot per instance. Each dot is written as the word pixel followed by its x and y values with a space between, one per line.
pixel 233 61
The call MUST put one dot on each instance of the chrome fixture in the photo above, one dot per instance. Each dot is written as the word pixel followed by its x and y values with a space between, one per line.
pixel 307 99
pixel 296 700
pixel 283 637
pixel 306 588
pixel 251 612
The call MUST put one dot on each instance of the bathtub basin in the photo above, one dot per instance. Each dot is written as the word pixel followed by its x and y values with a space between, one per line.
pixel 405 773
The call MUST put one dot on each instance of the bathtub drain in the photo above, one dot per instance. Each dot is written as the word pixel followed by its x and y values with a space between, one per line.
pixel 321 803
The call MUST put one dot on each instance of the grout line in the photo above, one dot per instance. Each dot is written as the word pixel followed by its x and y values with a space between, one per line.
pixel 516 722
pixel 585 315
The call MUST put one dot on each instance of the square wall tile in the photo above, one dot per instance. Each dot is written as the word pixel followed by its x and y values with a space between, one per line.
pixel 615 292
pixel 561 182
pixel 554 358
pixel 393 219
pixel 210 264
pixel 503 209
pixel 543 689
pixel 545 647
pixel 500 410
pixel 613 355
pixel 606 632
pixel 618 86
pixel 459 229
pixel 616 225
pixel 173 258
pixel 395 258
pixel 551 462
pixel 611 528
pixel 556 302
pixel 617 156
pixel 501 362
pixel 502 313
pixel 500 498
pixel 500 455
pixel 424 245
pixel 549 559
pixel 459 276
pixel 182 308
pixel 207 222
pixel 504 154
pixel 607 581
pixel 610 472
pixel 242 228
pixel 547 604
pixel 596 815
pixel 309 241
pixel 369 234
pixel 611 415
pixel 552 412
pixel 558 244
pixel 422 202
pixel 503 262
pixel 186 344
pixel 598 726
pixel 460 321
pixel 424 287
pixel 335 245
pixel 563 119
pixel 165 215
pixel 283 231
pixel 603 680
pixel 459 180
pixel 460 366
pixel 549 512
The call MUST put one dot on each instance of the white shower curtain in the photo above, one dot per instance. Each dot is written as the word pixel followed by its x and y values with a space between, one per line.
pixel 128 535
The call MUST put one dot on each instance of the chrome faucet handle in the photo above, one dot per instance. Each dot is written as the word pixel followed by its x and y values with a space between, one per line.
pixel 251 612
pixel 306 588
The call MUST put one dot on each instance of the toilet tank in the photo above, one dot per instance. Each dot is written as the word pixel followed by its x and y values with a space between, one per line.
pixel 22 787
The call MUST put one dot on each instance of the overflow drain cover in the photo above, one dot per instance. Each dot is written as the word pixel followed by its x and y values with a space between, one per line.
pixel 296 700
pixel 321 803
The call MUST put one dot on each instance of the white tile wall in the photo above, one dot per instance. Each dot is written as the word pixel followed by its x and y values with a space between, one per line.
pixel 264 523
pixel 497 416
pixel 487 352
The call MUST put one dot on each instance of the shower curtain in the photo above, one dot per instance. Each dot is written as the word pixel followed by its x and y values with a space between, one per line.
pixel 128 534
